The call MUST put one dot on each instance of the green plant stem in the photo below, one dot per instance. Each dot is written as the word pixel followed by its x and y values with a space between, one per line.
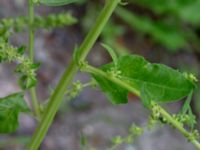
pixel 121 83
pixel 69 73
pixel 178 126
pixel 31 31
pixel 166 115
pixel 35 103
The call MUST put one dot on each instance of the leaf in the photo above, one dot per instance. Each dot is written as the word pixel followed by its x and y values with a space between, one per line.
pixel 35 66
pixel 57 2
pixel 21 50
pixel 10 107
pixel 155 82
pixel 145 96
pixel 111 52
pixel 187 102
pixel 115 93
pixel 27 82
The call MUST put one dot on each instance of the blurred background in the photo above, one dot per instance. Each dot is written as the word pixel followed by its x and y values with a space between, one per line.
pixel 163 31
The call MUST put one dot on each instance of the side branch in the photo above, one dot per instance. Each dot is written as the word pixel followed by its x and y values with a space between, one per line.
pixel 165 114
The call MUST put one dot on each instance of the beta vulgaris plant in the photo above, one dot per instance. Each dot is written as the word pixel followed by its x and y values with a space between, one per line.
pixel 153 83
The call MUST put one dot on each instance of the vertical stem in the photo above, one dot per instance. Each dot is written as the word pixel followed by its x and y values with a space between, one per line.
pixel 31 31
pixel 69 73
pixel 35 103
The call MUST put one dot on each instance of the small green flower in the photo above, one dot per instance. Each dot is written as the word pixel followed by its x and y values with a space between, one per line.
pixel 190 77
pixel 114 72
pixel 117 140
pixel 136 130
pixel 155 111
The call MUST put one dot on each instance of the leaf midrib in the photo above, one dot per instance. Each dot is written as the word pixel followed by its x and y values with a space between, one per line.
pixel 158 85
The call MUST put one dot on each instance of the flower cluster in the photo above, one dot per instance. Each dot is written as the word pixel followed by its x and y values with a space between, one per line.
pixel 25 67
pixel 134 131
pixel 10 25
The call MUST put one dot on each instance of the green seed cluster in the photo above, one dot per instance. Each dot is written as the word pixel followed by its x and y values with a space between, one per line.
pixel 181 119
pixel 134 131
pixel 9 26
pixel 77 87
pixel 155 108
pixel 54 20
pixel 25 67
pixel 114 72
pixel 186 119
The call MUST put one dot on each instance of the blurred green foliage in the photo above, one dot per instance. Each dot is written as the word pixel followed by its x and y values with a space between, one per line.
pixel 169 23
pixel 172 23
pixel 10 25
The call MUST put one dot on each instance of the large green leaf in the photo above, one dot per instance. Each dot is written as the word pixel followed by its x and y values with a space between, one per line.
pixel 10 107
pixel 155 82
pixel 57 2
